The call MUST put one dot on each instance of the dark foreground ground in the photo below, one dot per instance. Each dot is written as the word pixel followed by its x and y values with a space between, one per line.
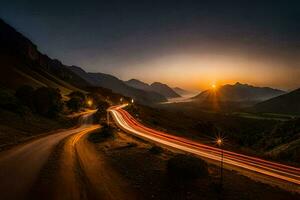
pixel 146 172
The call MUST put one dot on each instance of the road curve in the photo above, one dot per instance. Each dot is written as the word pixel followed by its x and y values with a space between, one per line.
pixel 278 172
pixel 20 166
pixel 85 174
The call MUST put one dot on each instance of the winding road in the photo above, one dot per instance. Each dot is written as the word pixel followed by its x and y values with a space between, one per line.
pixel 281 175
pixel 20 166
pixel 82 172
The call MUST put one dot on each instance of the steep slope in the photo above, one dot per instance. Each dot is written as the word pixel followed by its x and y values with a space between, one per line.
pixel 21 63
pixel 117 85
pixel 287 104
pixel 238 93
pixel 164 89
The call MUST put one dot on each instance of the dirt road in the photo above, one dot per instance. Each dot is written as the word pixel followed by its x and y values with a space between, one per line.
pixel 20 166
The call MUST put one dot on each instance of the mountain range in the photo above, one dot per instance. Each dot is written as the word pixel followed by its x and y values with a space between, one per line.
pixel 157 87
pixel 118 86
pixel 23 64
pixel 238 93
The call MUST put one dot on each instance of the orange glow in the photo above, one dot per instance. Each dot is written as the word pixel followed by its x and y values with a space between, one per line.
pixel 199 72
pixel 89 102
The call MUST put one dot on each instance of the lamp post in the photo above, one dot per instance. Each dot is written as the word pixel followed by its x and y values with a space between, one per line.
pixel 220 143
pixel 107 117
pixel 89 102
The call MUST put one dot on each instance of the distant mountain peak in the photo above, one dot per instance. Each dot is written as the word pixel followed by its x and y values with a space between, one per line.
pixel 240 92
pixel 135 80
pixel 181 91
pixel 157 87
pixel 239 83
pixel 164 89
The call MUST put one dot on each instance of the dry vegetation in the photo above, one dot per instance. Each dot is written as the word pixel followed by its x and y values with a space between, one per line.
pixel 145 167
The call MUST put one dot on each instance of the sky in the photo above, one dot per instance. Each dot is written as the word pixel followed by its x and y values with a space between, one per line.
pixel 190 44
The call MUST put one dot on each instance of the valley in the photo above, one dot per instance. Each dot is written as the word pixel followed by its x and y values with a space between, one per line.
pixel 125 100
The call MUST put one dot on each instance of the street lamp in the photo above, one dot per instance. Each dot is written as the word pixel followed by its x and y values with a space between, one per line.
pixel 107 117
pixel 89 102
pixel 219 142
pixel 132 101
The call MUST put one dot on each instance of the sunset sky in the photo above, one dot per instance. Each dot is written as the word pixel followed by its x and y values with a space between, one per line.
pixel 190 44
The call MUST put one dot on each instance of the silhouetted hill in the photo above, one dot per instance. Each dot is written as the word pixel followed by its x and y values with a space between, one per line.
pixel 181 91
pixel 117 85
pixel 287 104
pixel 238 93
pixel 138 84
pixel 22 63
pixel 164 89
pixel 157 87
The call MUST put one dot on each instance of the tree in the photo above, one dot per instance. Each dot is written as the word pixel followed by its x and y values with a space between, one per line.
pixel 75 104
pixel 48 101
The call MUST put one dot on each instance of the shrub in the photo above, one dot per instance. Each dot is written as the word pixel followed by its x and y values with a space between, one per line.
pixel 48 101
pixel 102 106
pixel 75 104
pixel 185 167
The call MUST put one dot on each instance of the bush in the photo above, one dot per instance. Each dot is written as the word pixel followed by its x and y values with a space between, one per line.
pixel 75 104
pixel 185 167
pixel 102 106
pixel 48 101
pixel 104 133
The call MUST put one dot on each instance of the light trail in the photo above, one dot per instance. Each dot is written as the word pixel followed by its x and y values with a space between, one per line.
pixel 276 170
